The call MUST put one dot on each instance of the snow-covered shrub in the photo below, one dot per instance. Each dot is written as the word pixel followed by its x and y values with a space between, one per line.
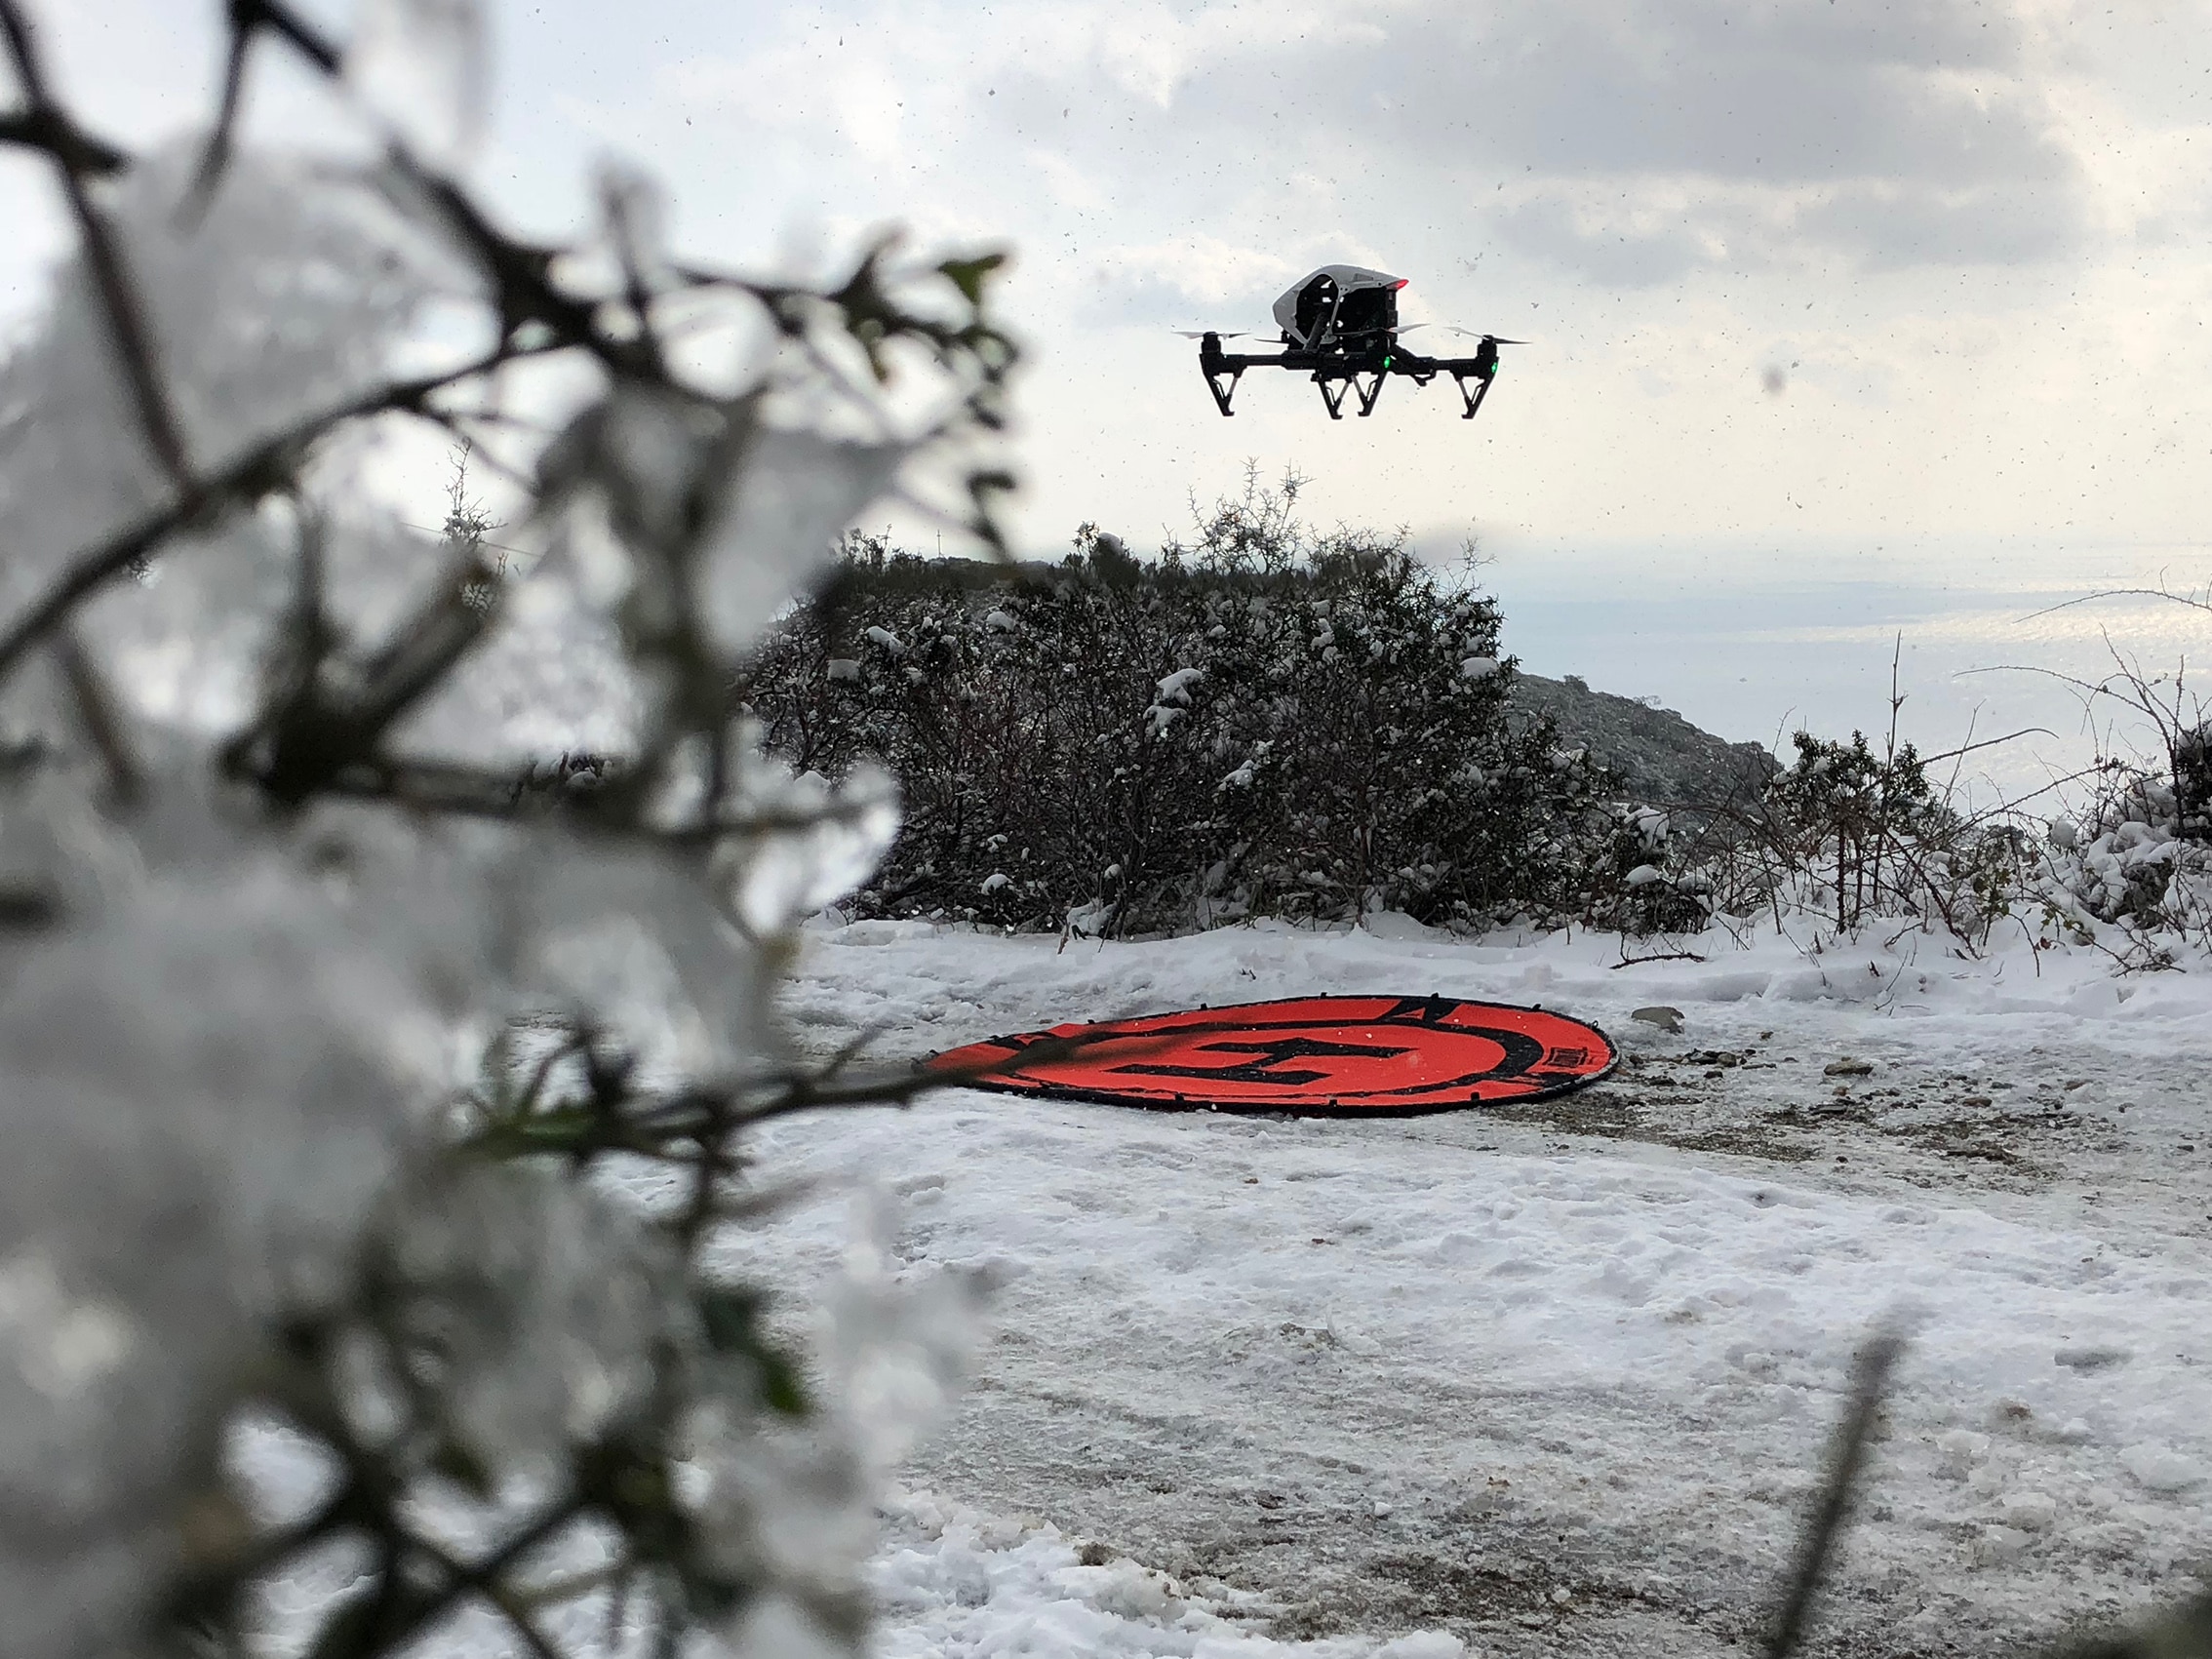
pixel 1853 836
pixel 2192 759
pixel 1842 837
pixel 2136 854
pixel 1639 878
pixel 386 928
pixel 2131 859
pixel 1268 721
pixel 1851 825
pixel 1846 837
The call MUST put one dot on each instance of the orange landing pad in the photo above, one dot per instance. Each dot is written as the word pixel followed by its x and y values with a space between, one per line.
pixel 1308 1056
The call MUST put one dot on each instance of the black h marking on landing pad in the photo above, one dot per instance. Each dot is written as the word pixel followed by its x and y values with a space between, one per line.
pixel 1429 1010
pixel 1276 1051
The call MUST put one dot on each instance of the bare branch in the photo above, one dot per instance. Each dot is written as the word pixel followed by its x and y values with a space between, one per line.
pixel 288 27
pixel 320 732
pixel 1988 744
pixel 53 132
pixel 1870 1382
pixel 247 19
pixel 259 471
pixel 517 1611
pixel 101 717
pixel 520 274
pixel 102 255
pixel 215 158
pixel 2167 594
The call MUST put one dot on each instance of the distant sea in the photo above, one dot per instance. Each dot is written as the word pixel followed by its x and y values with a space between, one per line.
pixel 1755 645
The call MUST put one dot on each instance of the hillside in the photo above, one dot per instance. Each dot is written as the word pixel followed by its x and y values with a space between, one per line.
pixel 1661 758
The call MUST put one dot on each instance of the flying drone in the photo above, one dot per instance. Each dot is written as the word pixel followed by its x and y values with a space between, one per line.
pixel 1341 324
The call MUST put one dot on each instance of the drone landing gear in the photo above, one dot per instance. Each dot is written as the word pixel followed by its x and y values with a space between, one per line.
pixel 1473 400
pixel 1215 363
pixel 1342 372
pixel 1222 393
pixel 1367 393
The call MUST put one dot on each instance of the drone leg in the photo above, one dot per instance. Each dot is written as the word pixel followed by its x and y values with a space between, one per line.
pixel 1223 393
pixel 1334 400
pixel 1368 394
pixel 1482 391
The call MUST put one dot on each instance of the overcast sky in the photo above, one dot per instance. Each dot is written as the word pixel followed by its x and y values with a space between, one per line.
pixel 1971 238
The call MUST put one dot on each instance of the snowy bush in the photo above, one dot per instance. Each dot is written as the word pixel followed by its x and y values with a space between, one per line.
pixel 1268 721
pixel 1843 838
pixel 2136 853
pixel 1640 875
pixel 1854 828
pixel 1851 836
pixel 390 923
pixel 1848 838
pixel 2134 860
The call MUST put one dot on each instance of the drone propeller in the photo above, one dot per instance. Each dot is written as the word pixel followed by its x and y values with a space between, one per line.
pixel 1455 329
pixel 1217 334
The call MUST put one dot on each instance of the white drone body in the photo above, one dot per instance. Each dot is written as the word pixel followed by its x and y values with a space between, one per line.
pixel 1338 302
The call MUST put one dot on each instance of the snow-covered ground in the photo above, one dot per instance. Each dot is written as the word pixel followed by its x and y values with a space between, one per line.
pixel 1561 1373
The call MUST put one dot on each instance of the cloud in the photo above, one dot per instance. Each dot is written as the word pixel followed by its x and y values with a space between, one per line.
pixel 1637 233
pixel 1971 235
pixel 1622 143
pixel 1190 278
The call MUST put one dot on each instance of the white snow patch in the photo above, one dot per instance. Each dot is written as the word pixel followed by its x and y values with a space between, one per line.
pixel 951 1580
pixel 1176 686
pixel 2162 1469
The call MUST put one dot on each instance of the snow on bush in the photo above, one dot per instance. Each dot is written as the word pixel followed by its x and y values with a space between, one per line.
pixel 1268 721
pixel 1271 721
pixel 390 923
pixel 1848 838
pixel 2138 861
